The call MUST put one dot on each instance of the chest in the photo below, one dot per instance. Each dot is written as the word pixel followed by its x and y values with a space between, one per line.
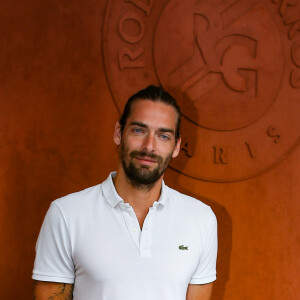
pixel 113 249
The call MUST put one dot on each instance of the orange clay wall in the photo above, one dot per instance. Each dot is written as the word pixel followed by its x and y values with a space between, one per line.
pixel 66 69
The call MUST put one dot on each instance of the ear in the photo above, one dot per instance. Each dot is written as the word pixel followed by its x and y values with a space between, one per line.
pixel 176 148
pixel 117 134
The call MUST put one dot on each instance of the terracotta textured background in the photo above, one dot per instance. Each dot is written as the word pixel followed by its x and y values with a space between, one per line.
pixel 58 111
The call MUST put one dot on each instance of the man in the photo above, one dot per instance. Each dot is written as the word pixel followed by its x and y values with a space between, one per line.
pixel 131 237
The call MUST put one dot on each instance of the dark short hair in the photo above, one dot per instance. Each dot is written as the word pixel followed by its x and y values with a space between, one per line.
pixel 155 94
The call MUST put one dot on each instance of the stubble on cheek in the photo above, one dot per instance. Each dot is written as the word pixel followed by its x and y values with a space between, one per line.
pixel 138 174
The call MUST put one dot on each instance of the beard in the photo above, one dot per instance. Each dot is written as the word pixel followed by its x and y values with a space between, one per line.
pixel 142 176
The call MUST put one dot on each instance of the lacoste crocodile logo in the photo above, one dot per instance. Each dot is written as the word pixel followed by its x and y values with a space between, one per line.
pixel 182 247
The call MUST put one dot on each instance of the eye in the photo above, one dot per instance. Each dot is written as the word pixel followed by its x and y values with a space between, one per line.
pixel 137 130
pixel 164 137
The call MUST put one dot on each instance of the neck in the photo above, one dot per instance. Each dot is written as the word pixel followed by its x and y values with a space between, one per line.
pixel 138 196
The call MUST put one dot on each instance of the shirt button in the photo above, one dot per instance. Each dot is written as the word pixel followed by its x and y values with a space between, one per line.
pixel 134 229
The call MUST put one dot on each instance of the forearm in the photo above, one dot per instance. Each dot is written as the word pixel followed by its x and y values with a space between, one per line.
pixel 199 291
pixel 52 291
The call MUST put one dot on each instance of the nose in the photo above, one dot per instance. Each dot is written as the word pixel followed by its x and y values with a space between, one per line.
pixel 149 143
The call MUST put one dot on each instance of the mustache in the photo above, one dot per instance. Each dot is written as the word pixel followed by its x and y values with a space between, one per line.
pixel 136 153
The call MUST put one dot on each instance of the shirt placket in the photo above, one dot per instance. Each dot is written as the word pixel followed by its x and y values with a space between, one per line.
pixel 147 232
pixel 142 238
pixel 131 222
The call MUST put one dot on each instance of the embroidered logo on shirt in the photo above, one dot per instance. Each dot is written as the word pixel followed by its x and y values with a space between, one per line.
pixel 182 247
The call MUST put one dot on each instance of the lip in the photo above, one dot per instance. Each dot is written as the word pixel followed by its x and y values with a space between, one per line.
pixel 146 160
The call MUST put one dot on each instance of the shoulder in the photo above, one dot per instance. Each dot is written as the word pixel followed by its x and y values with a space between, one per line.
pixel 190 205
pixel 79 201
pixel 186 200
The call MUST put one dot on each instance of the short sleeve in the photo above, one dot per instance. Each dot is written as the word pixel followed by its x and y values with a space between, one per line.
pixel 53 261
pixel 206 271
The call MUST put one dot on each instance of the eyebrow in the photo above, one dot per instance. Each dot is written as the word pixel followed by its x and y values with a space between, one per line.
pixel 161 129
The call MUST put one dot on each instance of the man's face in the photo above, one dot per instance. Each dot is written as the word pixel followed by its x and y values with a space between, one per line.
pixel 148 141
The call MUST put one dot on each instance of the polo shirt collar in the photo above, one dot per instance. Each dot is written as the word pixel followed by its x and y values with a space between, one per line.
pixel 114 199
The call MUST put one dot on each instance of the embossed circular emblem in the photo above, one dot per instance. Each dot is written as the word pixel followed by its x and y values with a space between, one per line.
pixel 234 67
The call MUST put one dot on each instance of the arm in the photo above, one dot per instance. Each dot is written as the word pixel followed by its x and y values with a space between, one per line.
pixel 53 270
pixel 199 291
pixel 200 287
pixel 52 290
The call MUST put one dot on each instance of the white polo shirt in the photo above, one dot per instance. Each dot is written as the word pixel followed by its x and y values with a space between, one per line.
pixel 93 239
